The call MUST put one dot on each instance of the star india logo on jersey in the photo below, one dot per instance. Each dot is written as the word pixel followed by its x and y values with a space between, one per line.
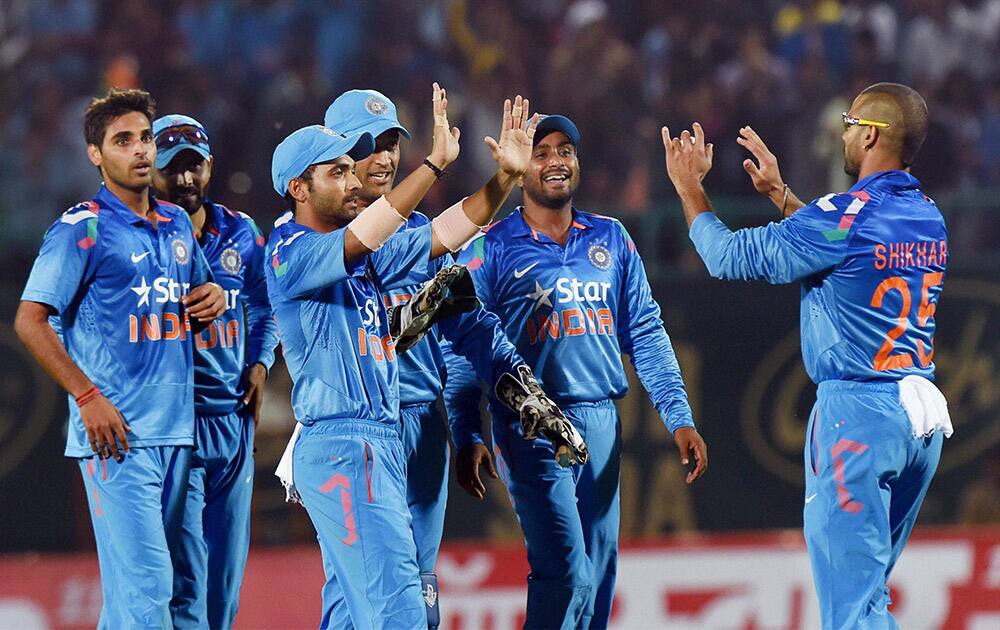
pixel 231 260
pixel 181 253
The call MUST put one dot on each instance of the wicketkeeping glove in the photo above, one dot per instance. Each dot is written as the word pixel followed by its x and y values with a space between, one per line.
pixel 539 415
pixel 450 292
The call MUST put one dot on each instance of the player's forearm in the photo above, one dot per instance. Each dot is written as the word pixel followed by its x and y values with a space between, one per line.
pixel 407 194
pixel 786 203
pixel 33 329
pixel 262 334
pixel 478 338
pixel 480 208
pixel 695 202
pixel 658 370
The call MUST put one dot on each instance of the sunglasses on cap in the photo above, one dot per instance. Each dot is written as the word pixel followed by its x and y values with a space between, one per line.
pixel 173 136
pixel 851 121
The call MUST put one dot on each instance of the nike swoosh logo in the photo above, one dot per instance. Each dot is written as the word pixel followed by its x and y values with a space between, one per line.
pixel 137 259
pixel 518 273
pixel 811 497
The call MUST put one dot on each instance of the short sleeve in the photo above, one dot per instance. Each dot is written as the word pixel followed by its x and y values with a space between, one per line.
pixel 64 262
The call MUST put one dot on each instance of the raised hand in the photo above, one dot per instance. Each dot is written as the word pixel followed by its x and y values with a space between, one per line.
pixel 688 158
pixel 765 174
pixel 513 151
pixel 445 149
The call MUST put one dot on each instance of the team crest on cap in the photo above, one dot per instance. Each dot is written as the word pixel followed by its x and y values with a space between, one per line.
pixel 231 260
pixel 181 253
pixel 376 106
pixel 599 256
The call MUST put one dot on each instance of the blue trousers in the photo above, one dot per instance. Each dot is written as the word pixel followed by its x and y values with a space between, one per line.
pixel 351 475
pixel 208 570
pixel 569 517
pixel 425 444
pixel 866 477
pixel 136 507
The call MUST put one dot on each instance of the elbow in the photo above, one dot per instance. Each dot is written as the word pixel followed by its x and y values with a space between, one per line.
pixel 27 320
pixel 21 325
pixel 715 267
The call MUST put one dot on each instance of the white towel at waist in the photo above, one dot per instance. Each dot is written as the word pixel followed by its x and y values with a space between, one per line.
pixel 284 469
pixel 925 405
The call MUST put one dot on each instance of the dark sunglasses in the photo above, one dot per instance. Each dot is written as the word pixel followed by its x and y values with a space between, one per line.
pixel 173 136
pixel 850 121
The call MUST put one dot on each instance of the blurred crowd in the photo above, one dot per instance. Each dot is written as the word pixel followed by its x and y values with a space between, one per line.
pixel 254 70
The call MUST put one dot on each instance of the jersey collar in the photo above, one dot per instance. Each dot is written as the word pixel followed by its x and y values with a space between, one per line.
pixel 520 227
pixel 892 180
pixel 108 199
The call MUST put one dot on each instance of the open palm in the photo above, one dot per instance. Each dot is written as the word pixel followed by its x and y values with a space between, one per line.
pixel 513 151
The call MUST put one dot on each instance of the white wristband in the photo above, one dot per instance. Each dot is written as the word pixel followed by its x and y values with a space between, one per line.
pixel 376 224
pixel 454 228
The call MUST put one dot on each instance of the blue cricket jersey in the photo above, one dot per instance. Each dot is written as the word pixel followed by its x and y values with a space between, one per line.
pixel 475 335
pixel 570 311
pixel 245 334
pixel 332 321
pixel 871 262
pixel 116 283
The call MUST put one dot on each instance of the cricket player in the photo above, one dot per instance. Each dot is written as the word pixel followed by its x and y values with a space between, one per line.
pixel 476 335
pixel 231 360
pixel 871 262
pixel 329 266
pixel 123 273
pixel 571 292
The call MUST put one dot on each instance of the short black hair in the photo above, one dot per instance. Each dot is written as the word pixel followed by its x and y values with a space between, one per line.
pixel 307 177
pixel 102 110
pixel 906 112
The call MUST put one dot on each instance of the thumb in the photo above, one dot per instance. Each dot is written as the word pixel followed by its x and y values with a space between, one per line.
pixel 709 150
pixel 456 133
pixel 492 144
pixel 682 446
pixel 751 168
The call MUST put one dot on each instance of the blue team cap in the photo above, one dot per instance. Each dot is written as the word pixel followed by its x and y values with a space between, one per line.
pixel 356 111
pixel 555 122
pixel 314 144
pixel 171 138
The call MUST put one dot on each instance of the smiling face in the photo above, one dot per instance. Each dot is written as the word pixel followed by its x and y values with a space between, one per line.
pixel 127 152
pixel 377 172
pixel 184 181
pixel 554 172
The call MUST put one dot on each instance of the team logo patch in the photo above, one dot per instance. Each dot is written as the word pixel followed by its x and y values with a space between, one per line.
pixel 599 256
pixel 430 595
pixel 231 260
pixel 376 106
pixel 181 253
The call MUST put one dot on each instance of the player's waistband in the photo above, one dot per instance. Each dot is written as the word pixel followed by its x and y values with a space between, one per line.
pixel 596 404
pixel 860 387
pixel 426 404
pixel 497 407
pixel 354 426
